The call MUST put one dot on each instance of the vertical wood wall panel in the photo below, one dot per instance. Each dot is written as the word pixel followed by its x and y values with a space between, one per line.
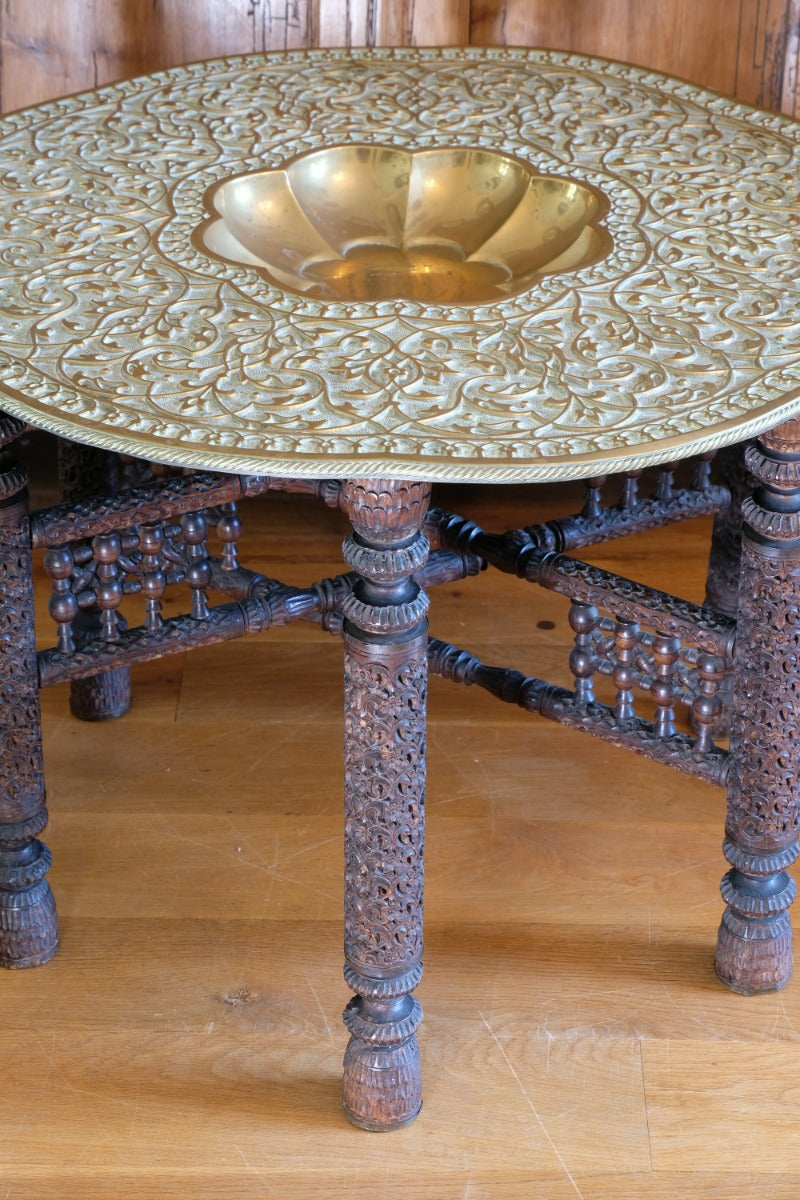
pixel 347 23
pixel 392 23
pixel 423 23
pixel 766 68
pixel 694 39
pixel 50 47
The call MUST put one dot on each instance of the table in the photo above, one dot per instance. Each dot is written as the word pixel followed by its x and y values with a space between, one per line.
pixel 478 265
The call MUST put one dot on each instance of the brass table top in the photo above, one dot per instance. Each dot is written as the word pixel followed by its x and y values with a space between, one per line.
pixel 488 265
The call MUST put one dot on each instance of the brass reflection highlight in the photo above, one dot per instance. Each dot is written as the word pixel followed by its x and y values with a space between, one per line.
pixel 366 223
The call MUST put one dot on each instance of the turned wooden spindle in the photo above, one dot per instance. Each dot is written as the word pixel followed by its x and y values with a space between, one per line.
pixel 198 571
pixel 665 653
pixel 754 950
pixel 592 506
pixel 63 604
pixel 229 529
pixel 630 489
pixel 665 487
pixel 385 638
pixel 583 620
pixel 154 581
pixel 701 475
pixel 626 636
pixel 107 550
pixel 707 705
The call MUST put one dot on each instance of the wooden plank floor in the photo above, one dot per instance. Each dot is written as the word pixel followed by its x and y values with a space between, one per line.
pixel 186 1042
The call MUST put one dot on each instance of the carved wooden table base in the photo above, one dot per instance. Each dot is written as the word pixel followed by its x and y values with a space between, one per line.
pixel 679 654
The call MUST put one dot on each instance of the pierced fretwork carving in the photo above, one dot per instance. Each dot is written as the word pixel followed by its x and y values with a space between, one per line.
pixel 754 948
pixel 726 540
pixel 28 926
pixel 385 685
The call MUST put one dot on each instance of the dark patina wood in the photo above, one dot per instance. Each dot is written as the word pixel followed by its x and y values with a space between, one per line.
pixel 629 731
pixel 87 471
pixel 386 643
pixel 28 925
pixel 722 584
pixel 754 951
pixel 654 647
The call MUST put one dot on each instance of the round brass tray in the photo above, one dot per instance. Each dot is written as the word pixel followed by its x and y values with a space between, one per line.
pixel 411 340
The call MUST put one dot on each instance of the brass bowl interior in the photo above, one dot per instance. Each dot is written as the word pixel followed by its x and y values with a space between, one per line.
pixel 365 223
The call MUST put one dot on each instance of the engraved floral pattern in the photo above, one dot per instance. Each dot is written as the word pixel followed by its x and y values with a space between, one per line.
pixel 119 330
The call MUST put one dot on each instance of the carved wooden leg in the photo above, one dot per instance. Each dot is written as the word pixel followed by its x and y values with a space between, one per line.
pixel 28 927
pixel 385 694
pixel 722 583
pixel 754 952
pixel 86 471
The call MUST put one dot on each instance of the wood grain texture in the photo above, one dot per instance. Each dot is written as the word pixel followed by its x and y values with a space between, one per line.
pixel 52 49
pixel 698 41
pixel 749 48
pixel 186 1041
pixel 698 1077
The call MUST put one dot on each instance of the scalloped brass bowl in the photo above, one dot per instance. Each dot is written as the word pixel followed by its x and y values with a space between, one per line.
pixel 362 223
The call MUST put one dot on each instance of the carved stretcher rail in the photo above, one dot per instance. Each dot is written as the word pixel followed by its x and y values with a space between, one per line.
pixel 259 603
pixel 560 704
pixel 597 522
pixel 516 553
pixel 64 523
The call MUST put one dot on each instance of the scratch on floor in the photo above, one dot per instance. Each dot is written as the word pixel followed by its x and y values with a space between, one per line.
pixel 533 1108
pixel 321 1009
pixel 255 1170
pixel 708 1027
pixel 255 860
pixel 550 1039
pixel 781 1012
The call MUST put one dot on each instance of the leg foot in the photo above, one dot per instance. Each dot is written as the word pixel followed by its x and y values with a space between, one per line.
pixel 754 956
pixel 28 923
pixel 101 697
pixel 382 1087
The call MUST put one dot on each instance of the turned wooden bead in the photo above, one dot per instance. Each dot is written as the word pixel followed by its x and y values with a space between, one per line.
pixel 583 619
pixel 665 652
pixel 707 706
pixel 63 603
pixel 229 529
pixel 624 674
